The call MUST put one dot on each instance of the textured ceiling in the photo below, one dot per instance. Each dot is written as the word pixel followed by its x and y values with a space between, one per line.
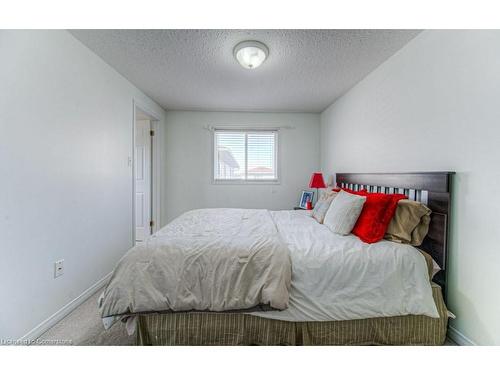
pixel 195 69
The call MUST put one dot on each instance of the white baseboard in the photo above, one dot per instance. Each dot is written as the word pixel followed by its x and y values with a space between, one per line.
pixel 65 310
pixel 459 338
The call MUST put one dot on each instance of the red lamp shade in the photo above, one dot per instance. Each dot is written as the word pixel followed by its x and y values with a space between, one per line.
pixel 317 181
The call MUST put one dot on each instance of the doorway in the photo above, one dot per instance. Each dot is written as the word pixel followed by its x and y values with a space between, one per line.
pixel 144 132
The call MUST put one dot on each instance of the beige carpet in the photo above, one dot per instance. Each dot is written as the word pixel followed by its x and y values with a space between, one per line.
pixel 84 327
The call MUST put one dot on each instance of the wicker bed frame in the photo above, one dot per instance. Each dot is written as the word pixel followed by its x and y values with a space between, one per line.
pixel 207 328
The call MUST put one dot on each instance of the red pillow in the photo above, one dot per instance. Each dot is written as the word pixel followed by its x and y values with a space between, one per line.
pixel 376 215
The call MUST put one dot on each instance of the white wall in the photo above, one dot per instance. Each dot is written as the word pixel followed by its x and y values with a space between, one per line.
pixel 66 189
pixel 435 106
pixel 189 154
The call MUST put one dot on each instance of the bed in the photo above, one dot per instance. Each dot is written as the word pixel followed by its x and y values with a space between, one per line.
pixel 385 293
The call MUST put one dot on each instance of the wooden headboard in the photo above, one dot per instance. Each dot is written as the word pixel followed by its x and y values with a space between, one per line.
pixel 431 188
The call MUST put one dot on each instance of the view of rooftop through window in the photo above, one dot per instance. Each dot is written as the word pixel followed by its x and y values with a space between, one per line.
pixel 245 155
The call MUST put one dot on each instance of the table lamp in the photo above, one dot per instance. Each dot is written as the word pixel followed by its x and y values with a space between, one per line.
pixel 317 182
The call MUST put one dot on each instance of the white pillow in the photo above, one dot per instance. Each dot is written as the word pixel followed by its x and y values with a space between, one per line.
pixel 344 212
pixel 322 206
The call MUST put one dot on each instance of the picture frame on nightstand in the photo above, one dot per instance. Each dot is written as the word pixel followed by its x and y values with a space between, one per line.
pixel 306 196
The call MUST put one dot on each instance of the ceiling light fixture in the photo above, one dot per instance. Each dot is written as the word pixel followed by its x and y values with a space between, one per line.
pixel 250 54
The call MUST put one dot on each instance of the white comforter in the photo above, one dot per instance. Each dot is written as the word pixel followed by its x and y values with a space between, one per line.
pixel 340 278
pixel 211 259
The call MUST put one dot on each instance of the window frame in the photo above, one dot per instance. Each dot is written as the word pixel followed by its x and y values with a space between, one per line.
pixel 275 131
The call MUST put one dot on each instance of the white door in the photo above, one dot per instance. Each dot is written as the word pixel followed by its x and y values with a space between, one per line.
pixel 142 179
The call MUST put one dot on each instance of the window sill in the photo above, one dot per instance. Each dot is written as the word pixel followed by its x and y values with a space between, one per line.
pixel 245 182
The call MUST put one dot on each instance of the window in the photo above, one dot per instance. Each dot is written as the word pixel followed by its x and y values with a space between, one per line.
pixel 246 155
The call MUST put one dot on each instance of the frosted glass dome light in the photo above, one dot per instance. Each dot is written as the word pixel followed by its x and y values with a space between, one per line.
pixel 251 54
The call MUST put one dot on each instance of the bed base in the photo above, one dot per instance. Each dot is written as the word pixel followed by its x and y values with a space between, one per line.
pixel 206 328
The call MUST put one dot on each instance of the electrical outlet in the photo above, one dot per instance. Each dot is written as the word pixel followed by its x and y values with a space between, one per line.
pixel 58 268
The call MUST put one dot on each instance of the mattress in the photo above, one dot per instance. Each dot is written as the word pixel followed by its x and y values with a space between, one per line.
pixel 344 292
pixel 333 277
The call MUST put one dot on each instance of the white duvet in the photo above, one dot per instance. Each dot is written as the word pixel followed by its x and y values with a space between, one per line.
pixel 205 260
pixel 338 277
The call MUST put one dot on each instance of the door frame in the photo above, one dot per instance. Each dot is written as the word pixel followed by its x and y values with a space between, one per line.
pixel 156 151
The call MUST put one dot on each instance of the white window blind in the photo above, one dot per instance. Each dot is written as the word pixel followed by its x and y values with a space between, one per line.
pixel 245 155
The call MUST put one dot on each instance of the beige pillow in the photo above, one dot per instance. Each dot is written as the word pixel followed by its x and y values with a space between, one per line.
pixel 344 212
pixel 410 223
pixel 322 205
